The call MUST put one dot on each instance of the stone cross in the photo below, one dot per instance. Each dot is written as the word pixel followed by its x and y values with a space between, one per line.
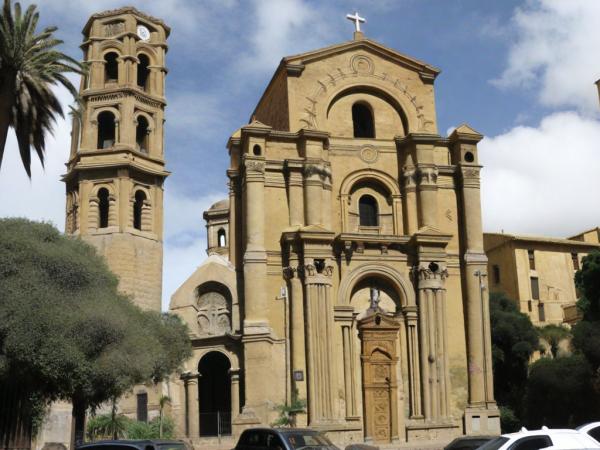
pixel 356 19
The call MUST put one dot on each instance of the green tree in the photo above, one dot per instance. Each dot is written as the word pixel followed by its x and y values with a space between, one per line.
pixel 559 393
pixel 65 330
pixel 514 339
pixel 30 65
pixel 554 335
pixel 586 333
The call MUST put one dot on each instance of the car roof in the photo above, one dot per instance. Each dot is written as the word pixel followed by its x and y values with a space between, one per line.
pixel 548 431
pixel 283 430
pixel 587 426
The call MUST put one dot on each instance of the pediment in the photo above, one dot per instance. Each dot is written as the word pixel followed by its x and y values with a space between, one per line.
pixel 426 71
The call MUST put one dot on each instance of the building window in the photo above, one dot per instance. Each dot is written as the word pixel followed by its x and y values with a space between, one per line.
pixel 103 206
pixel 535 288
pixel 111 67
pixel 221 240
pixel 367 211
pixel 575 258
pixel 142 407
pixel 362 119
pixel 529 306
pixel 496 271
pixel 143 72
pixel 142 134
pixel 138 205
pixel 541 312
pixel 531 257
pixel 106 130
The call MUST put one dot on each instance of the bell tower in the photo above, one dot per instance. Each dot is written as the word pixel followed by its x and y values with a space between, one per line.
pixel 116 169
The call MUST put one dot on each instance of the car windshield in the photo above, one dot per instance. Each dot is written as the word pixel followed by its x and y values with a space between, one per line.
pixel 494 444
pixel 299 439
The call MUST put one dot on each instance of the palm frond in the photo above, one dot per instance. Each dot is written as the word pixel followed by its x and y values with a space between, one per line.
pixel 30 67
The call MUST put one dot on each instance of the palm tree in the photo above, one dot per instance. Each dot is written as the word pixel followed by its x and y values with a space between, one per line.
pixel 164 399
pixel 29 67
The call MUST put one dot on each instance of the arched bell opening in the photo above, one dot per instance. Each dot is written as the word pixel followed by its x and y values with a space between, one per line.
pixel 106 130
pixel 111 67
pixel 143 72
pixel 142 134
pixel 214 388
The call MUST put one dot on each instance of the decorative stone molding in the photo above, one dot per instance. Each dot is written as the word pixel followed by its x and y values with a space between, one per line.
pixel 429 276
pixel 369 154
pixel 409 176
pixel 322 171
pixel 255 166
pixel 427 176
pixel 361 66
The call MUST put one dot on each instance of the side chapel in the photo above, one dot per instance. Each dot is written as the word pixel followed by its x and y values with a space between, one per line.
pixel 345 266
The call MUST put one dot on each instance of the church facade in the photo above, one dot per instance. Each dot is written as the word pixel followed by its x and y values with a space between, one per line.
pixel 346 267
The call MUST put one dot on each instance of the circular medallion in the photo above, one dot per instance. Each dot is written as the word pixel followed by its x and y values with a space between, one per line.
pixel 369 154
pixel 362 64
pixel 143 32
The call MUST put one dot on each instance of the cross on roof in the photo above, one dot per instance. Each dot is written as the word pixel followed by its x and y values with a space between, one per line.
pixel 356 19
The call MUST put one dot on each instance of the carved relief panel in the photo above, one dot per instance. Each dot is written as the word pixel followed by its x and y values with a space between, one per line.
pixel 214 315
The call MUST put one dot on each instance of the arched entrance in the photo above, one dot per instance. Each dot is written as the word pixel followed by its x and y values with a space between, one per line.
pixel 214 388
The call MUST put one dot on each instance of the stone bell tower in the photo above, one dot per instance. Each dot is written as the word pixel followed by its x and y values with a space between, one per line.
pixel 116 170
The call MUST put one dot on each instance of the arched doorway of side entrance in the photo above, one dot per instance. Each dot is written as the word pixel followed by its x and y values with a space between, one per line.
pixel 214 387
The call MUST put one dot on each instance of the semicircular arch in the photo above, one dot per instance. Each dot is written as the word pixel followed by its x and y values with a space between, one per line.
pixel 401 285
pixel 234 363
pixel 370 174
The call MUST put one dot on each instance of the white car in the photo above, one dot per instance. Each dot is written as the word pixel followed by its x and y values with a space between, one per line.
pixel 542 439
pixel 593 429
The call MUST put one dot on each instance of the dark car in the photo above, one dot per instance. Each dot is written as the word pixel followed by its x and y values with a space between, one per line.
pixel 283 439
pixel 468 442
pixel 123 444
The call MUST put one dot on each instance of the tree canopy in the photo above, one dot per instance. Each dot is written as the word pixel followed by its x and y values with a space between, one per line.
pixel 514 339
pixel 65 330
pixel 30 65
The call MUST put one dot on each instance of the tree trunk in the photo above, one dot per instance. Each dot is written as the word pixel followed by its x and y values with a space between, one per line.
pixel 7 99
pixel 78 423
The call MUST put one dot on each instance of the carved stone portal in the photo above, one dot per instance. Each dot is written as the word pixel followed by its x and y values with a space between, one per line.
pixel 379 334
pixel 214 316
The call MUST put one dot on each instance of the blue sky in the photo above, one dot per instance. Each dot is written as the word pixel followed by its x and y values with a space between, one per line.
pixel 520 72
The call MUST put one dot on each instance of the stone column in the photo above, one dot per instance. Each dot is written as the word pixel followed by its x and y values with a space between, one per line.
pixel 313 196
pixel 414 367
pixel 410 193
pixel 326 193
pixel 344 315
pixel 295 187
pixel 432 314
pixel 319 324
pixel 192 398
pixel 255 258
pixel 234 375
pixel 297 343
pixel 427 188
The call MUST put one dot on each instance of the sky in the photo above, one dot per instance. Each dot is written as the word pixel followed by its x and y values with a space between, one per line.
pixel 521 72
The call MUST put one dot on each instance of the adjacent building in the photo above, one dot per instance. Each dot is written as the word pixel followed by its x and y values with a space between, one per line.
pixel 538 272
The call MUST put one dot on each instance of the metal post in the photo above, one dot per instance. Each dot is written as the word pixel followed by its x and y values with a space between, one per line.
pixel 480 274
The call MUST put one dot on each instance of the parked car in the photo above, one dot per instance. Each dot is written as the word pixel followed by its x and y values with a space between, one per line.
pixel 126 444
pixel 542 439
pixel 592 429
pixel 468 442
pixel 283 439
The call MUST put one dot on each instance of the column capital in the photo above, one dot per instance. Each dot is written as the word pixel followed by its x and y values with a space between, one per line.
pixel 430 276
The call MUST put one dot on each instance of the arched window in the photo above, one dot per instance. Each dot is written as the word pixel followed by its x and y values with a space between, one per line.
pixel 103 206
pixel 111 67
pixel 138 205
pixel 141 134
pixel 362 118
pixel 221 238
pixel 368 212
pixel 143 73
pixel 106 129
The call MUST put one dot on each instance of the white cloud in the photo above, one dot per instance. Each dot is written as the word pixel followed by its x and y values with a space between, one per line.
pixel 555 50
pixel 42 197
pixel 543 180
pixel 285 27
